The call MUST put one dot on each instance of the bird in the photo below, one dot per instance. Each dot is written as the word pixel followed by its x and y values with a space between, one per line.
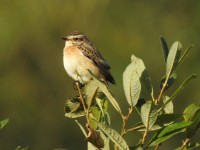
pixel 81 59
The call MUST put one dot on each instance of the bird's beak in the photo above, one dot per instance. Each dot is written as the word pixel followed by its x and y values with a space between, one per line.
pixel 64 38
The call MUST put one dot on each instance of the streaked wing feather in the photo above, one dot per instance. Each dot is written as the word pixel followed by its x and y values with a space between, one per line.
pixel 92 53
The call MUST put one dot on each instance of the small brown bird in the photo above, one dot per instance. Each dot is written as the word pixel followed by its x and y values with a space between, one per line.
pixel 80 55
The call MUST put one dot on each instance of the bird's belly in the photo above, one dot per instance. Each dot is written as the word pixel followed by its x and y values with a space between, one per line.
pixel 77 68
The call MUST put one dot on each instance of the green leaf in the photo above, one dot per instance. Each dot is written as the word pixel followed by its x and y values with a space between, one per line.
pixel 167 132
pixel 140 102
pixel 170 81
pixel 169 108
pixel 90 90
pixel 114 136
pixel 189 146
pixel 190 131
pixel 185 54
pixel 3 123
pixel 131 80
pixel 162 120
pixel 173 58
pixel 21 148
pixel 105 90
pixel 146 81
pixel 73 108
pixel 190 111
pixel 95 112
pixel 181 87
pixel 164 47
pixel 81 127
pixel 148 115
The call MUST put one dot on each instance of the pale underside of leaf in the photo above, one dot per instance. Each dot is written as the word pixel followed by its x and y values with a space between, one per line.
pixel 173 58
pixel 114 137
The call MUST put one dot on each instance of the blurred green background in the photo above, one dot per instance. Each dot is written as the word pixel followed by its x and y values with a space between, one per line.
pixel 34 84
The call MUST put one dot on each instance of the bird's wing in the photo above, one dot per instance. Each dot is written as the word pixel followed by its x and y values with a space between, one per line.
pixel 93 55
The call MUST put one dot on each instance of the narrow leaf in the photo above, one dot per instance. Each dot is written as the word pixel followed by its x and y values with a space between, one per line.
pixel 105 90
pixel 185 54
pixel 168 132
pixel 192 113
pixel 164 47
pixel 162 120
pixel 3 123
pixel 21 148
pixel 173 58
pixel 181 87
pixel 114 136
pixel 81 127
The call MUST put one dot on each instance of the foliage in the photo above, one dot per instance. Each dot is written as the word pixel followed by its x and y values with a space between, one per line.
pixel 157 114
pixel 3 123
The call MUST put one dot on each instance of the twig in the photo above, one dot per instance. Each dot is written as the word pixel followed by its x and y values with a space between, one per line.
pixel 185 143
pixel 125 119
pixel 135 128
pixel 144 136
pixel 83 103
pixel 162 90
pixel 156 148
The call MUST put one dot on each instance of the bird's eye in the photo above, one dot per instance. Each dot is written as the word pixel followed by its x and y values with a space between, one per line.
pixel 75 39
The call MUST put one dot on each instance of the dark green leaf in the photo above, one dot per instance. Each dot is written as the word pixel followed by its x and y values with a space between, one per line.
pixel 140 102
pixel 190 146
pixel 163 120
pixel 190 131
pixel 168 132
pixel 192 113
pixel 146 81
pixel 164 47
pixel 170 81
